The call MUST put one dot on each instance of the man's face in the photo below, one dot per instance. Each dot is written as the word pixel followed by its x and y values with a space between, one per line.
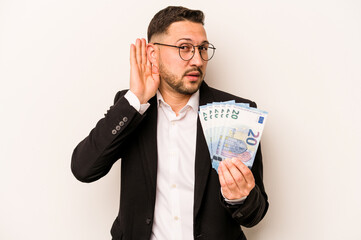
pixel 177 75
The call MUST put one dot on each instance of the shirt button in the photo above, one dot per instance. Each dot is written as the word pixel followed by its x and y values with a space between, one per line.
pixel 117 127
pixel 176 218
pixel 114 131
pixel 121 123
pixel 174 186
pixel 125 119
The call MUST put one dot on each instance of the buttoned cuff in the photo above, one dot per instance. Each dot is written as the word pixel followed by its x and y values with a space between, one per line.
pixel 134 102
pixel 233 201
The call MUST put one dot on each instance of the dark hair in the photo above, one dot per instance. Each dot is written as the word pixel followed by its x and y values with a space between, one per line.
pixel 164 18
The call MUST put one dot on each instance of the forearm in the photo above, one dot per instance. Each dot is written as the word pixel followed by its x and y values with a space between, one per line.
pixel 95 155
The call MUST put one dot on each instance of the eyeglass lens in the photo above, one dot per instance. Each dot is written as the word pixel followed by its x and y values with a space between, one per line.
pixel 187 51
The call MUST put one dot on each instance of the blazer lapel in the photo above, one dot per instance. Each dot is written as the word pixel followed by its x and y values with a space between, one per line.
pixel 203 160
pixel 149 143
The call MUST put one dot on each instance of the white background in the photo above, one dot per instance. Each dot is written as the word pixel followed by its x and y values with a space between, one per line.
pixel 61 63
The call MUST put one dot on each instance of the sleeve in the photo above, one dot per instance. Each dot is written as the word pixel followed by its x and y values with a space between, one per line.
pixel 94 156
pixel 134 101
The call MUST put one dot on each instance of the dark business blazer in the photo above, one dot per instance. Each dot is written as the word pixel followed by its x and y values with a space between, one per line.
pixel 126 134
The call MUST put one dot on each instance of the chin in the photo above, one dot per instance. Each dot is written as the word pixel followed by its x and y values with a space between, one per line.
pixel 190 89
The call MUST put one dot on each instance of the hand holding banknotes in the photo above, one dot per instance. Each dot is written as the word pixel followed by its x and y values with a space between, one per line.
pixel 233 132
pixel 144 77
pixel 236 179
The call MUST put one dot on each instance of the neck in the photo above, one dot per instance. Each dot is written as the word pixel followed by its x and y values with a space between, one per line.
pixel 175 100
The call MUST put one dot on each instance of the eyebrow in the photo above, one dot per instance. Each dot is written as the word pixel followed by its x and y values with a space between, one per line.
pixel 188 39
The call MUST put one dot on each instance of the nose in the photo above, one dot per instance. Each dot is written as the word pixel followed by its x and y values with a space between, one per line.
pixel 197 59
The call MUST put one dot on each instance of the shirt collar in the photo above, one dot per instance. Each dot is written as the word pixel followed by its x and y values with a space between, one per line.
pixel 193 101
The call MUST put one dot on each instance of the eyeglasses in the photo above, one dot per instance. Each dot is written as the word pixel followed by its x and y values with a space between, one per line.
pixel 187 50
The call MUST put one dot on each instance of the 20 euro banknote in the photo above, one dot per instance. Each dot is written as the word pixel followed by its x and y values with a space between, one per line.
pixel 232 130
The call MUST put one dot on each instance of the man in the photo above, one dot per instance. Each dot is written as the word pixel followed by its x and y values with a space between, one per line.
pixel 168 188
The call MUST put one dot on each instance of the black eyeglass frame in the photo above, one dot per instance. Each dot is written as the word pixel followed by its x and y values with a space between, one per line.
pixel 211 46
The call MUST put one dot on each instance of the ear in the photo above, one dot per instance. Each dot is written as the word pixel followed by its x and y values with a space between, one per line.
pixel 152 54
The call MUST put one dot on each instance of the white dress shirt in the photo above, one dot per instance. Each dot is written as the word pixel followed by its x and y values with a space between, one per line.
pixel 176 141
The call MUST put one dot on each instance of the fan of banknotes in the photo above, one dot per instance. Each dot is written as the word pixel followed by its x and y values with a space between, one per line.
pixel 232 130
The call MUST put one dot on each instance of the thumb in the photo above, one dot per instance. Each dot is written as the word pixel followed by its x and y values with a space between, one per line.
pixel 155 72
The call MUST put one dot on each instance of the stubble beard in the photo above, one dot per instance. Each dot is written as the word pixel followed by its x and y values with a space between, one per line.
pixel 178 84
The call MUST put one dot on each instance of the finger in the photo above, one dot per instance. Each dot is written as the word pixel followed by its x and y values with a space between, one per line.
pixel 148 68
pixel 225 190
pixel 138 51
pixel 144 51
pixel 133 60
pixel 221 176
pixel 246 172
pixel 149 64
pixel 236 174
pixel 230 182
